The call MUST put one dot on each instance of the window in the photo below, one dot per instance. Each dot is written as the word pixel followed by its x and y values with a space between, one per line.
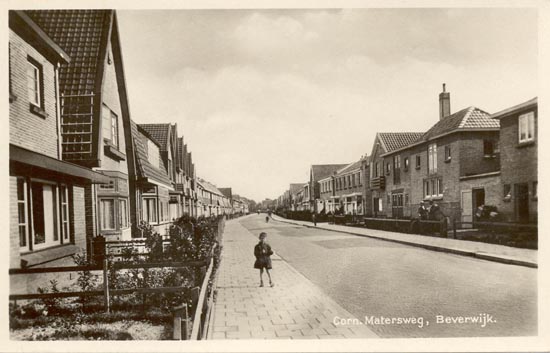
pixel 526 127
pixel 110 125
pixel 432 158
pixel 507 192
pixel 110 186
pixel 22 212
pixel 150 210
pixel 44 215
pixel 122 214
pixel 388 168
pixel 433 187
pixel 417 162
pixel 447 153
pixel 107 214
pixel 406 163
pixel 359 178
pixel 34 82
pixel 488 148
pixel 376 168
pixel 353 180
pixel 348 184
pixel 64 197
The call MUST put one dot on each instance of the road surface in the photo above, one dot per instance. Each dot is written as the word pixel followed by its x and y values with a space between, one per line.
pixel 405 291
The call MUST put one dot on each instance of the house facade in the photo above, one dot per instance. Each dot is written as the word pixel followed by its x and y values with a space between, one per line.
pixel 95 121
pixel 312 191
pixel 381 186
pixel 348 189
pixel 455 164
pixel 519 159
pixel 47 195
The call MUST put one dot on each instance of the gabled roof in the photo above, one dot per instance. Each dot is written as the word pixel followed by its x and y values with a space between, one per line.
pixel 145 170
pixel 531 103
pixel 159 132
pixel 24 26
pixel 321 171
pixel 349 168
pixel 295 187
pixel 83 35
pixel 470 118
pixel 391 141
pixel 209 187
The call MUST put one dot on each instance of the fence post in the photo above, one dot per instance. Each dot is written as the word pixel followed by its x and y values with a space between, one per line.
pixel 99 249
pixel 454 228
pixel 106 285
pixel 181 323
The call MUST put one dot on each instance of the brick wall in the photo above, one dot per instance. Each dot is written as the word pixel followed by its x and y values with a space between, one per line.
pixel 472 157
pixel 78 218
pixel 519 163
pixel 14 228
pixel 27 129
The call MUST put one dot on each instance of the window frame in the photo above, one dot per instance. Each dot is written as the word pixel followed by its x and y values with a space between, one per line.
pixel 529 119
pixel 38 80
pixel 448 153
pixel 101 212
pixel 432 158
pixel 25 224
pixel 418 161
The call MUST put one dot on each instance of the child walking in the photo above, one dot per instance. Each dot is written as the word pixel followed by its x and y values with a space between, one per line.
pixel 263 253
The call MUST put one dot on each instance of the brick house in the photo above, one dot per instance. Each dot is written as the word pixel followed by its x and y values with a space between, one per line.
pixel 47 195
pixel 312 190
pixel 294 189
pixel 380 187
pixel 95 119
pixel 518 153
pixel 348 189
pixel 455 163
pixel 185 178
pixel 326 195
pixel 151 180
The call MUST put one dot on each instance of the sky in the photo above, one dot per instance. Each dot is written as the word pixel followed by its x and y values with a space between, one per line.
pixel 261 95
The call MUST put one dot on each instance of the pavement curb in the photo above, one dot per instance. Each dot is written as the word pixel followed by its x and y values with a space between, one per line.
pixel 478 255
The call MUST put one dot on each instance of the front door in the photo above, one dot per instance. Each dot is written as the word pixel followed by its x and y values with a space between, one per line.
pixel 466 207
pixel 522 202
pixel 397 205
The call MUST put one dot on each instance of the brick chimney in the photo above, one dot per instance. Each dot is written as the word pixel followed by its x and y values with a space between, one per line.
pixel 444 104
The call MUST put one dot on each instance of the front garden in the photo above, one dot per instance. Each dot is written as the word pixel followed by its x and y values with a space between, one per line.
pixel 127 295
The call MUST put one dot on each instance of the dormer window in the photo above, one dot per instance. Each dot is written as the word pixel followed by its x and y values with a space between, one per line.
pixel 153 154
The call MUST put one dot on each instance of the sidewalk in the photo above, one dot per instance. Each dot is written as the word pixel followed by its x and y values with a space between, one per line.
pixel 294 309
pixel 485 251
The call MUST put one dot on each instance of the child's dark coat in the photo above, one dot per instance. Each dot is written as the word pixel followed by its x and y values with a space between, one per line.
pixel 263 251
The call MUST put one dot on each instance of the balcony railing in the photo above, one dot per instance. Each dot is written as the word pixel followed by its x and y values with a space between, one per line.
pixel 378 183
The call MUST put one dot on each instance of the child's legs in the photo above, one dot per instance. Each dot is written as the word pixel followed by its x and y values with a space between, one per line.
pixel 268 274
pixel 262 274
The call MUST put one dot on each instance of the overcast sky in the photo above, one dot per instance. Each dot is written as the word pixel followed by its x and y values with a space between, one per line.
pixel 261 95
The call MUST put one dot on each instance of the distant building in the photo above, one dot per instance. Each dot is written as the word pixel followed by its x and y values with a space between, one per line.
pixel 312 190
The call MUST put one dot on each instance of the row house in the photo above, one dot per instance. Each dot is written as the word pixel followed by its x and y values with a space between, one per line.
pixel 95 125
pixel 185 178
pixel 211 201
pixel 312 190
pixel 518 153
pixel 455 163
pixel 348 189
pixel 377 183
pixel 152 182
pixel 293 190
pixel 47 195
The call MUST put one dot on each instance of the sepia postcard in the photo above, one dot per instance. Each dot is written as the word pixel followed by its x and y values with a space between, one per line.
pixel 275 176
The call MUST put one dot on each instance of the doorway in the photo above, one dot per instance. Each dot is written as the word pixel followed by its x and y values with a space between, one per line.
pixel 522 202
pixel 466 205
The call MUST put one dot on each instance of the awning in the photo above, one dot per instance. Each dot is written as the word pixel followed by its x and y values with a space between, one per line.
pixel 52 165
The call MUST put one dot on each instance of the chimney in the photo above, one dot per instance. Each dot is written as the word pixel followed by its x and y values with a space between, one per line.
pixel 444 104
